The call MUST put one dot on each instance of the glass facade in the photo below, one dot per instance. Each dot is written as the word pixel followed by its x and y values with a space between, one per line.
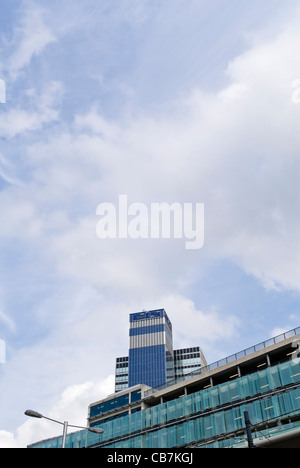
pixel 121 378
pixel 151 358
pixel 186 360
pixel 210 417
pixel 114 404
pixel 147 365
pixel 106 406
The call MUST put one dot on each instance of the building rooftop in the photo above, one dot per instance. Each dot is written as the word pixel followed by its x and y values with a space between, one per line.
pixel 246 359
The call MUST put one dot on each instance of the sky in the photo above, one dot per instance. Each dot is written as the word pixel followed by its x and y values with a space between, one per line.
pixel 161 101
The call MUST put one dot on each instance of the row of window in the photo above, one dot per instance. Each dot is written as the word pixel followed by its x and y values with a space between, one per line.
pixel 182 433
pixel 187 366
pixel 123 359
pixel 121 386
pixel 178 358
pixel 187 351
pixel 122 378
pixel 122 365
pixel 204 426
pixel 229 392
pixel 115 403
pixel 187 361
pixel 122 370
pixel 213 425
pixel 185 370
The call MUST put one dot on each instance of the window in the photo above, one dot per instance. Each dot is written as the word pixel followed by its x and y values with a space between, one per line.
pixel 136 396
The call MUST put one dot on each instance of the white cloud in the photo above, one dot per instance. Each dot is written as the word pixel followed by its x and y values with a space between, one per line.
pixel 197 324
pixel 7 440
pixel 18 216
pixel 235 150
pixel 42 109
pixel 7 172
pixel 7 321
pixel 71 406
pixel 30 38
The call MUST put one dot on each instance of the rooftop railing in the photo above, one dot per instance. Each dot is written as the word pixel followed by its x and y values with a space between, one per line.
pixel 227 360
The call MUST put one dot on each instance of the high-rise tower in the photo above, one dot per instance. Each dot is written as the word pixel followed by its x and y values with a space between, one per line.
pixel 151 356
pixel 152 360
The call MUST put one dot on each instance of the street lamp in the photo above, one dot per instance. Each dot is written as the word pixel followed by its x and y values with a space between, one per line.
pixel 35 414
pixel 248 430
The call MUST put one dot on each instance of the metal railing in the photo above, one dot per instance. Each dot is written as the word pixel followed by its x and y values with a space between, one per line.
pixel 227 360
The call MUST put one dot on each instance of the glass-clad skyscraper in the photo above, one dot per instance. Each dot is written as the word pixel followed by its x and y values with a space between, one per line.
pixel 151 355
pixel 152 360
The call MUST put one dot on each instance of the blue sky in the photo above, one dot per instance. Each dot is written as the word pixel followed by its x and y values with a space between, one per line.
pixel 165 101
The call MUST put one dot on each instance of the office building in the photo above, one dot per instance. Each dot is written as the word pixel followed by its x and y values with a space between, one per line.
pixel 151 357
pixel 206 408
pixel 152 360
pixel 186 361
pixel 121 376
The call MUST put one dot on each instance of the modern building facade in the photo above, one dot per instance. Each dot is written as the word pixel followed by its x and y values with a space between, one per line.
pixel 206 408
pixel 121 376
pixel 152 360
pixel 151 356
pixel 188 360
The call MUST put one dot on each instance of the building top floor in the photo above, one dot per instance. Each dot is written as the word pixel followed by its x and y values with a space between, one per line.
pixel 147 315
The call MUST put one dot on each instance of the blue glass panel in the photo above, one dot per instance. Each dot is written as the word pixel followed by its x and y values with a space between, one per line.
pixel 147 329
pixel 147 366
pixel 136 396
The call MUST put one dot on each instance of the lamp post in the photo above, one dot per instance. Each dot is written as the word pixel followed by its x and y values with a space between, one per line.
pixel 248 430
pixel 35 414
